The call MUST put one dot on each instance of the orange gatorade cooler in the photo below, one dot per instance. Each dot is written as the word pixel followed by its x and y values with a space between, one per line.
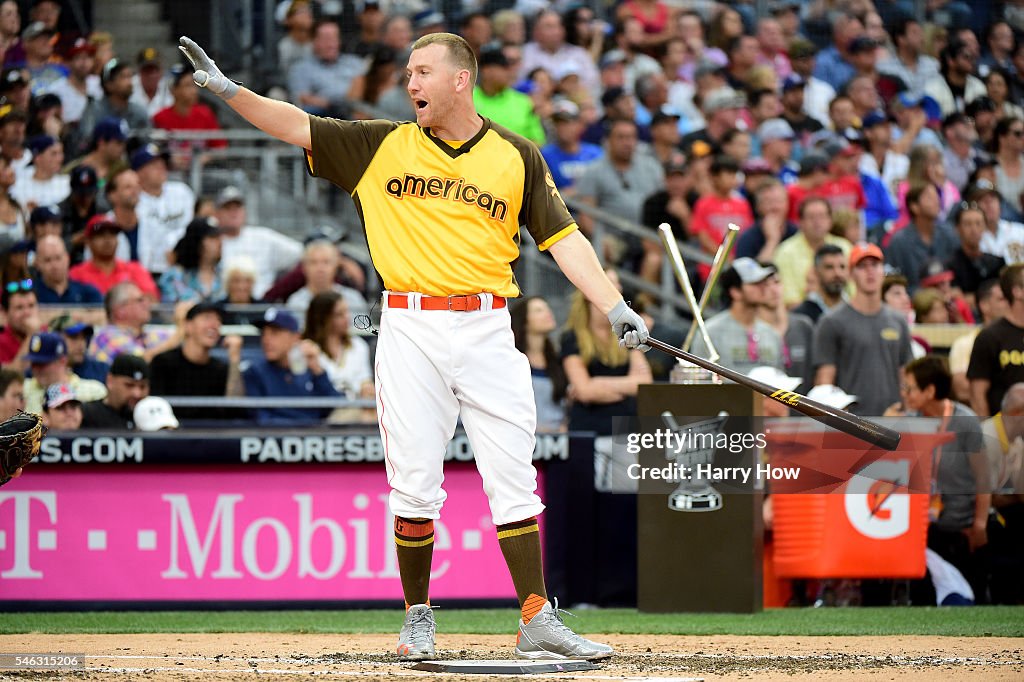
pixel 856 511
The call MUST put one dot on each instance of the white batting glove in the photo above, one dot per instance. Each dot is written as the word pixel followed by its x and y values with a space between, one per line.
pixel 629 327
pixel 207 74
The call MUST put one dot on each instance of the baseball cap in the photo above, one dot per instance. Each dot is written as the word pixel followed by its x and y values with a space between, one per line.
pixel 723 98
pixel 492 55
pixel 699 149
pixel 148 57
pixel 280 318
pixel 813 161
pixel 665 113
pixel 792 82
pixel 612 95
pixel 100 223
pixel 874 118
pixel 427 18
pixel 83 180
pixel 773 376
pixel 131 366
pixel 69 327
pixel 46 347
pixel 800 48
pixel 229 195
pixel 204 307
pixel 755 166
pixel 839 146
pixel 831 395
pixel 861 44
pixel 146 154
pixel 78 47
pixel 931 108
pixel 59 394
pixel 935 272
pixel 36 29
pixel 775 129
pixel 862 250
pixel 154 413
pixel 752 272
pixel 564 110
pixel 44 214
pixel 676 165
pixel 613 57
pixel 40 143
pixel 12 78
pixel 782 6
pixel 110 128
pixel 707 67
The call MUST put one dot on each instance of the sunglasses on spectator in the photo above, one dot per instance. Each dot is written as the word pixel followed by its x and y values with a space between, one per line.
pixel 969 206
pixel 21 285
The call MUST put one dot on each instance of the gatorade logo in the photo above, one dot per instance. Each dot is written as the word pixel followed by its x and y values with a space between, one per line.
pixel 872 507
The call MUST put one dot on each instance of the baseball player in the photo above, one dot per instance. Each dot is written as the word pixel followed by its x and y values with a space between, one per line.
pixel 442 201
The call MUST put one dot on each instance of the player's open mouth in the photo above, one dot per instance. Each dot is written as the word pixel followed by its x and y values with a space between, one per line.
pixel 420 104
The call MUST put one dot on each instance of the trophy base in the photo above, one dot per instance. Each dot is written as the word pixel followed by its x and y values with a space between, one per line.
pixel 703 501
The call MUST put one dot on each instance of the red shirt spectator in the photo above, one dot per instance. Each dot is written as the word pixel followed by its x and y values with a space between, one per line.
pixel 713 212
pixel 105 270
pixel 22 312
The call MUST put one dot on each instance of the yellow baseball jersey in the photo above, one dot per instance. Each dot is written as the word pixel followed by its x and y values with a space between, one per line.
pixel 441 218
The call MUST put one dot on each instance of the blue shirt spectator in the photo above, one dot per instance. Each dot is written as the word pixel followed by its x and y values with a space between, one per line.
pixel 52 282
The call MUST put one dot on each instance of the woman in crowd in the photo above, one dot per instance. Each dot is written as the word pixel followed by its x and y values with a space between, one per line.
pixel 297 44
pixel 926 165
pixel 532 324
pixel 997 84
pixel 196 274
pixel 585 30
pixel 1007 148
pixel 239 282
pixel 725 25
pixel 930 307
pixel 345 358
pixel 12 217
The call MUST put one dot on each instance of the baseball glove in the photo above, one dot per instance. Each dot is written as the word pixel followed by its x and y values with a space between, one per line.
pixel 20 438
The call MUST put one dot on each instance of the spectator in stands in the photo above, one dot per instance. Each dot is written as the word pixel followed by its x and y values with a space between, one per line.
pixel 320 263
pixel 567 155
pixel 833 63
pixel 742 52
pixel 48 358
pixel 532 325
pixel 290 367
pixel 794 257
pixel 43 221
pixel 550 51
pixel 21 310
pixel 831 276
pixel 396 33
pixel 669 205
pixel 53 284
pixel 62 408
pixel 1008 150
pixel 997 85
pixel 909 63
pixel 186 112
pixel 103 269
pixel 104 44
pixel 914 115
pixel 189 368
pixel 996 357
pixel 74 89
pixel 14 87
pixel 12 139
pixel 12 397
pixel 116 79
pixel 924 239
pixel 106 154
pixel 78 208
pixel 1002 237
pixel 937 275
pixel 150 90
pixel 664 145
pixel 742 339
pixel 776 139
pixel 793 111
pixel 326 82
pixel 239 280
pixel 153 413
pixel 992 306
pixel 164 210
pixel 127 384
pixel 929 308
pixel 722 109
pixel 128 312
pixel 926 166
pixel 879 160
pixel 619 183
pixel 10 27
pixel 37 40
pixel 195 275
pixel 345 358
pixel 998 52
pixel 959 156
pixel 77 336
pixel 796 332
pixel 958 528
pixel 970 265
pixel 956 85
pixel 12 217
pixel 861 344
pixel 269 250
pixel 771 227
pixel 297 43
pixel 475 27
pixel 497 100
pixel 44 185
pixel 817 94
pixel 713 213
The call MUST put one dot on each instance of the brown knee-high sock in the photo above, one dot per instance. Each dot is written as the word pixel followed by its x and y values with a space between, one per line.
pixel 414 540
pixel 520 545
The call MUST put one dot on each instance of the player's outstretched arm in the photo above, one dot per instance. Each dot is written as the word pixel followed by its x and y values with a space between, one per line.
pixel 577 260
pixel 278 119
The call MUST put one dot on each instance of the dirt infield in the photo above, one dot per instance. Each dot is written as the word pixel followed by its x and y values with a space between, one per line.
pixel 253 656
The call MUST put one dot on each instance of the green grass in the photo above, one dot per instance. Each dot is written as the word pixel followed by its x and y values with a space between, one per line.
pixel 990 621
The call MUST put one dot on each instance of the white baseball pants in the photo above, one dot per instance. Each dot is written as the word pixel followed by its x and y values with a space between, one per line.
pixel 433 366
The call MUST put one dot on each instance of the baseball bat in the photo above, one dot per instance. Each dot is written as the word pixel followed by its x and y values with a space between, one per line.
pixel 840 420
pixel 721 256
pixel 676 261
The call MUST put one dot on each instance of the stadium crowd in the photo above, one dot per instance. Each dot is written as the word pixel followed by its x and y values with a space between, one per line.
pixel 874 161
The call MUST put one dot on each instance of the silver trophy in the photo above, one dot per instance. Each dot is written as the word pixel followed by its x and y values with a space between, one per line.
pixel 694 493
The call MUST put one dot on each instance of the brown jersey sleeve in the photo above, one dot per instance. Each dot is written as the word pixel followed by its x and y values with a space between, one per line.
pixel 342 150
pixel 543 211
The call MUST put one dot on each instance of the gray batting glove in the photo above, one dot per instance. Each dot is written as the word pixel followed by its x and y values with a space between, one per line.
pixel 623 317
pixel 207 74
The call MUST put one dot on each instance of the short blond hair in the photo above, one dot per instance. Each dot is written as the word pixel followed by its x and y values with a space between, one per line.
pixel 460 54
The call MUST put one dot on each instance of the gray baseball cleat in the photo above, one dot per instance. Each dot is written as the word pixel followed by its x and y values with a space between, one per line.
pixel 546 637
pixel 416 639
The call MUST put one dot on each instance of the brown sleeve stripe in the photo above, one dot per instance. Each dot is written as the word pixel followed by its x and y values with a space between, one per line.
pixel 513 532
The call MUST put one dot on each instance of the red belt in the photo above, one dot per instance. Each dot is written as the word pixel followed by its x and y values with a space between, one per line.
pixel 462 304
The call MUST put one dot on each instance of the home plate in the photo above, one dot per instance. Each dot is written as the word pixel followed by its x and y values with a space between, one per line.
pixel 501 667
